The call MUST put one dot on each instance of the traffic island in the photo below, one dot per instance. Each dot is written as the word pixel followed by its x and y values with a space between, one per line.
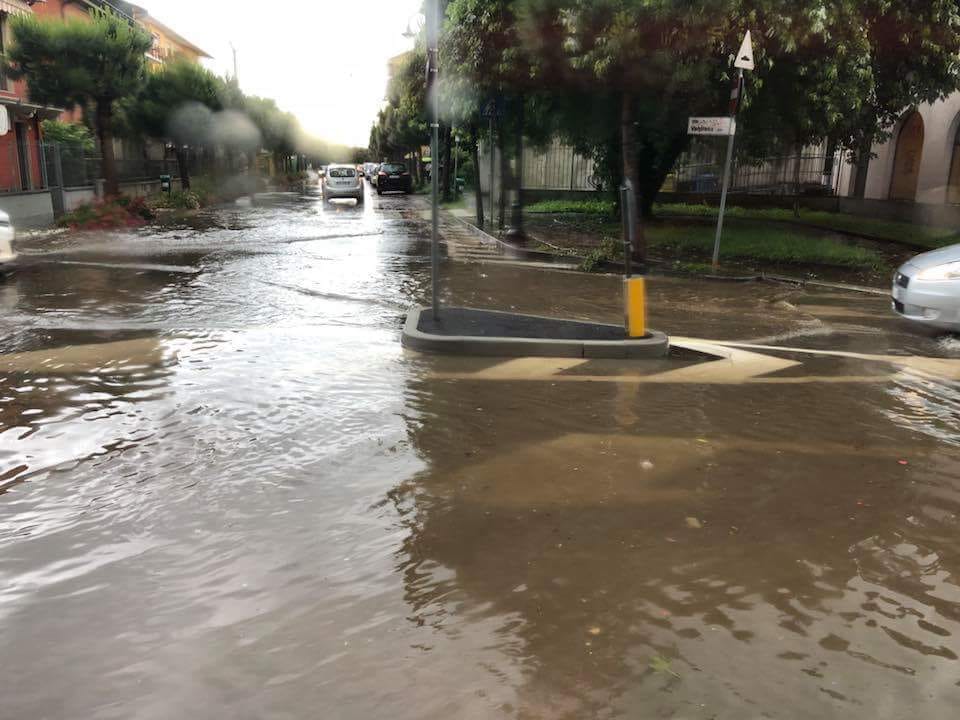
pixel 471 331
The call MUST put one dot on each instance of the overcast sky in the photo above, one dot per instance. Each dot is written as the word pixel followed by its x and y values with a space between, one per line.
pixel 322 60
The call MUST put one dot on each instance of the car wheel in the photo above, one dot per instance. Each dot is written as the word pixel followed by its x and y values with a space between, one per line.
pixel 360 199
pixel 379 191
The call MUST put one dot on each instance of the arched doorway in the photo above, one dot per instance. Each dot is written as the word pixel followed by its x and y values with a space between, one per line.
pixel 906 160
pixel 953 183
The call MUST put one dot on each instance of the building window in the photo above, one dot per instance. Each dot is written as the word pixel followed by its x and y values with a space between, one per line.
pixel 953 184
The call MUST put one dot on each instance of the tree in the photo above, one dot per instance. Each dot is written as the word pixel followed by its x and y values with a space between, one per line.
pixel 176 103
pixel 402 126
pixel 75 62
pixel 484 58
pixel 619 78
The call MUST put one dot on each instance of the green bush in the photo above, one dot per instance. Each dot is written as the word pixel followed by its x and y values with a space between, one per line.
pixel 608 249
pixel 176 200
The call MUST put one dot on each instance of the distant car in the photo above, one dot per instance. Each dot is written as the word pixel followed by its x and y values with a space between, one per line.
pixel 373 174
pixel 7 255
pixel 393 176
pixel 926 289
pixel 342 181
pixel 370 170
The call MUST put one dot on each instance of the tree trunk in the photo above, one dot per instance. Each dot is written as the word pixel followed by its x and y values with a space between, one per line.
pixel 796 182
pixel 108 165
pixel 183 165
pixel 516 210
pixel 628 153
pixel 446 139
pixel 863 165
pixel 477 189
pixel 504 178
pixel 653 177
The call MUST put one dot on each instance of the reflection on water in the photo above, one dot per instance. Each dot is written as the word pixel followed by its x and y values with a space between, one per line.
pixel 229 491
pixel 760 564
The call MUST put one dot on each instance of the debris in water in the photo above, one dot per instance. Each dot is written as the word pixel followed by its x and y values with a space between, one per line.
pixel 660 664
pixel 903 462
pixel 646 465
pixel 694 524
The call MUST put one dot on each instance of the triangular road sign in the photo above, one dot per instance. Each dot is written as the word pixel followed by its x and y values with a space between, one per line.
pixel 745 55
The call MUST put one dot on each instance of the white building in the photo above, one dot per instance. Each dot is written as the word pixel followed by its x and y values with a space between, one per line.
pixel 921 160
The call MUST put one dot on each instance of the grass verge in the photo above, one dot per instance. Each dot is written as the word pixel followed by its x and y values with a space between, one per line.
pixel 928 236
pixel 922 235
pixel 757 245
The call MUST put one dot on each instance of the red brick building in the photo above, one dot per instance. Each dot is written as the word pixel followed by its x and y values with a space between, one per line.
pixel 20 159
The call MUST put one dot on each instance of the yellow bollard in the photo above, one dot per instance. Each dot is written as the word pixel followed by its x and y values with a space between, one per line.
pixel 635 306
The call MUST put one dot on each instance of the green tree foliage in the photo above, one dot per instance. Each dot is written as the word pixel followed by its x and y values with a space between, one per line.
pixel 176 103
pixel 73 135
pixel 74 62
pixel 619 78
pixel 402 126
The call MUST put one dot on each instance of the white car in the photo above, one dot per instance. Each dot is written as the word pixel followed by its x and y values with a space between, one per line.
pixel 7 255
pixel 926 289
pixel 343 181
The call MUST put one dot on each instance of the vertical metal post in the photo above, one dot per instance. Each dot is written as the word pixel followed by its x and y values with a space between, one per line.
pixel 59 196
pixel 433 32
pixel 628 217
pixel 726 179
pixel 490 154
pixel 456 164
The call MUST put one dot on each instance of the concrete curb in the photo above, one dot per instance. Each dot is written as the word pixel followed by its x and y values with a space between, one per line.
pixel 488 344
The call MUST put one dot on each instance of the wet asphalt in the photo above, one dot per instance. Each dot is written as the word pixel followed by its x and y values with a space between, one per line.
pixel 227 491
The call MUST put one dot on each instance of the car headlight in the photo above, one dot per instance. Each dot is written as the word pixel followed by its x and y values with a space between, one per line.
pixel 947 271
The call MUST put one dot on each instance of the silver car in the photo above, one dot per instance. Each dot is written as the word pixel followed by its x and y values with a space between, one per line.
pixel 342 181
pixel 926 289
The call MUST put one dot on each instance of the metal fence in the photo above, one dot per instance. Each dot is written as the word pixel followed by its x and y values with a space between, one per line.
pixel 557 167
pixel 32 166
pixel 803 174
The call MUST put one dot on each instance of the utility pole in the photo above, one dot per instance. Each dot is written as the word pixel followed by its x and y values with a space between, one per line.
pixel 433 99
pixel 236 79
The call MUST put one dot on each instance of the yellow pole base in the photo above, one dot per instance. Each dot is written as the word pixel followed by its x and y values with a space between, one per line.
pixel 635 306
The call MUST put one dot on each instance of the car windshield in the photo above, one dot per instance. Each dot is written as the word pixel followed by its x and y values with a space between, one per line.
pixel 631 390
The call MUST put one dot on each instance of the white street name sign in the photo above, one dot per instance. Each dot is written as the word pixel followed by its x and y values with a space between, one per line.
pixel 711 126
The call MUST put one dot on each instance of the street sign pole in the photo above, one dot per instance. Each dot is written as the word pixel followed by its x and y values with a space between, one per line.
pixel 726 181
pixel 433 32
pixel 743 62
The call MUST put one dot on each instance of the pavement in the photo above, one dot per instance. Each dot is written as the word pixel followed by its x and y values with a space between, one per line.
pixel 226 489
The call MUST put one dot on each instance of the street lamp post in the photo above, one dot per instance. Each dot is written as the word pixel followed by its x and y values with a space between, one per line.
pixel 433 99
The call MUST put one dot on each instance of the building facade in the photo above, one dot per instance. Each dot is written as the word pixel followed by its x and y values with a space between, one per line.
pixel 21 163
pixel 920 162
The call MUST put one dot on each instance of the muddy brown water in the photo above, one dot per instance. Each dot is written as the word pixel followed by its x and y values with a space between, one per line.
pixel 227 491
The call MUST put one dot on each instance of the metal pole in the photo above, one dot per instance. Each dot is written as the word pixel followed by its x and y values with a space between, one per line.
pixel 490 155
pixel 628 217
pixel 726 179
pixel 433 31
pixel 456 158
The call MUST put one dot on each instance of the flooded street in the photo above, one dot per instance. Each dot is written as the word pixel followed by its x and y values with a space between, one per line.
pixel 227 491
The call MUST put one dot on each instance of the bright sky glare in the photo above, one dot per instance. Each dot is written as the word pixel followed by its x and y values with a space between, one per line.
pixel 323 60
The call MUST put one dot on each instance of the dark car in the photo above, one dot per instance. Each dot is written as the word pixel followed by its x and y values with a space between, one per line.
pixel 393 176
